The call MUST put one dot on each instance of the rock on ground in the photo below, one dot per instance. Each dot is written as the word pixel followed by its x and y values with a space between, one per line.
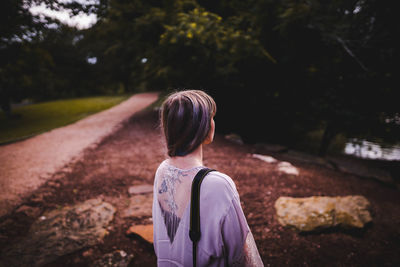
pixel 282 166
pixel 140 189
pixel 354 166
pixel 139 205
pixel 265 158
pixel 314 213
pixel 145 231
pixel 60 232
pixel 117 258
pixel 288 168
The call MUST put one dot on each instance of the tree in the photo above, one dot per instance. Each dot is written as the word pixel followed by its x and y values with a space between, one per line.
pixel 16 25
pixel 295 66
pixel 40 57
pixel 347 68
pixel 325 60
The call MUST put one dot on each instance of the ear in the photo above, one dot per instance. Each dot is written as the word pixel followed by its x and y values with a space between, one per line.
pixel 210 136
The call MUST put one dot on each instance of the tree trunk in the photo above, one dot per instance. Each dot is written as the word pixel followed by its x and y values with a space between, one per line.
pixel 329 134
pixel 5 105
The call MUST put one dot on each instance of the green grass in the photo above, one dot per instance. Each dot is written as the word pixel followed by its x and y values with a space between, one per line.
pixel 37 118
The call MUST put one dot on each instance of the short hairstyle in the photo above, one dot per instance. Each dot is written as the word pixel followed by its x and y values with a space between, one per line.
pixel 186 120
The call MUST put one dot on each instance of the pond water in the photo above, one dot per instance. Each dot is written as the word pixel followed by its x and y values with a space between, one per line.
pixel 372 150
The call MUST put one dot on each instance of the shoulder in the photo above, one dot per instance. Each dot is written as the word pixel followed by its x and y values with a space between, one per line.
pixel 220 184
pixel 219 178
pixel 161 167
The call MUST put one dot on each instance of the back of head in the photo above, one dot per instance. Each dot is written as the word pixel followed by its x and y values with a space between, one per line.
pixel 186 120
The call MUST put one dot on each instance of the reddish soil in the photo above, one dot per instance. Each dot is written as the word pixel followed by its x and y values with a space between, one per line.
pixel 131 155
pixel 27 164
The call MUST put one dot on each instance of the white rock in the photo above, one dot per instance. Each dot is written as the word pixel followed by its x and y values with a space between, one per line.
pixel 265 158
pixel 288 168
pixel 140 189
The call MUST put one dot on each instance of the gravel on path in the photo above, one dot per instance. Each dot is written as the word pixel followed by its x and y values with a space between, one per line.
pixel 26 165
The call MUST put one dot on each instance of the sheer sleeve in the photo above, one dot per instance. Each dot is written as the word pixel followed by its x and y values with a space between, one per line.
pixel 239 245
pixel 252 257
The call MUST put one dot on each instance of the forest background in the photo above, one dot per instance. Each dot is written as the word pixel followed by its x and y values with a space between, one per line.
pixel 280 71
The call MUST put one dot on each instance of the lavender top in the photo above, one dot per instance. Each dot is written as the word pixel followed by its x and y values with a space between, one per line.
pixel 225 235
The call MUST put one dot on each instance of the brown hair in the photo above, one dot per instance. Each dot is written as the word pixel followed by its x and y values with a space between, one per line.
pixel 186 120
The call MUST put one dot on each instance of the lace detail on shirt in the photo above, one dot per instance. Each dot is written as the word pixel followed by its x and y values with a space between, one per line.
pixel 250 256
pixel 173 188
pixel 168 186
pixel 251 252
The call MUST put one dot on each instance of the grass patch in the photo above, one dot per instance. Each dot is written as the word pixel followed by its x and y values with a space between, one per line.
pixel 37 118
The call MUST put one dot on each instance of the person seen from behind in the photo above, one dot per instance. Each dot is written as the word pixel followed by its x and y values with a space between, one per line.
pixel 187 122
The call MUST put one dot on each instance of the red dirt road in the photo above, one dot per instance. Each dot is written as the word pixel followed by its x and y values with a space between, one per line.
pixel 26 165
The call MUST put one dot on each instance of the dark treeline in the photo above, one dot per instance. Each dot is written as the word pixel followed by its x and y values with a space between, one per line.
pixel 278 69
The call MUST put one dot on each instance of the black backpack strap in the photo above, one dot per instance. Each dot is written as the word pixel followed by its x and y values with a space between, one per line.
pixel 194 232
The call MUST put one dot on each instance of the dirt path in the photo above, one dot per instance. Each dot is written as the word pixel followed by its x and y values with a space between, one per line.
pixel 131 155
pixel 26 165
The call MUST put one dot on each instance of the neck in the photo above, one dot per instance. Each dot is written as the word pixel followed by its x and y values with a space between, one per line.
pixel 191 160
